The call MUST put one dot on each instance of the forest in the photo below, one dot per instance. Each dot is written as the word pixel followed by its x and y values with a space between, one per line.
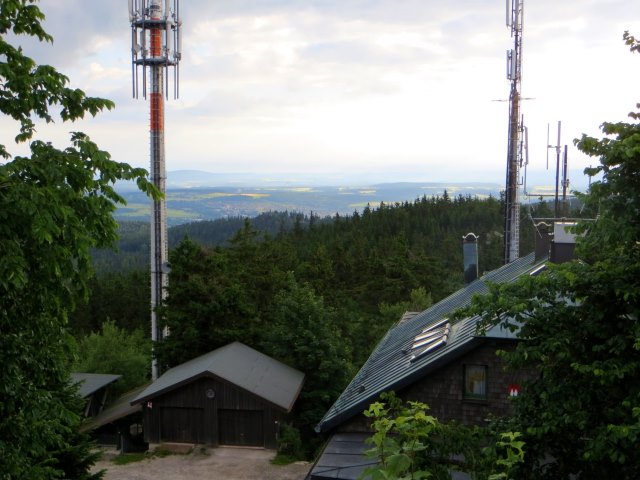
pixel 316 293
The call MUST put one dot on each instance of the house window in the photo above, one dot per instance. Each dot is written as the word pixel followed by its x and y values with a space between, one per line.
pixel 475 381
pixel 135 429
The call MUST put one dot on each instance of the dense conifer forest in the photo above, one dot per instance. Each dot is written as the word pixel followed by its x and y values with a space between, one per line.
pixel 336 255
pixel 316 293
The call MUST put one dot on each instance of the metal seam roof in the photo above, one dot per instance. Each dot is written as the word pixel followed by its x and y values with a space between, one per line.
pixel 389 367
pixel 239 365
pixel 89 383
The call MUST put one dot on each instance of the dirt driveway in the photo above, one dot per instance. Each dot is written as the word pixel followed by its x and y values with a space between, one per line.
pixel 214 464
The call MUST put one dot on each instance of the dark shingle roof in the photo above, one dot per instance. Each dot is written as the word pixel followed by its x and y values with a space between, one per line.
pixel 240 365
pixel 90 383
pixel 390 366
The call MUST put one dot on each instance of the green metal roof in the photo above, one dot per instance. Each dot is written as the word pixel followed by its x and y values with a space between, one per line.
pixel 393 365
pixel 343 457
pixel 239 365
pixel 89 383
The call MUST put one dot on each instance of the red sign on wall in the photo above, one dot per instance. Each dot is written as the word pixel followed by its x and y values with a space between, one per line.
pixel 514 390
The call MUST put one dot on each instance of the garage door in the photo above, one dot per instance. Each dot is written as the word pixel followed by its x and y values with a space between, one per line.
pixel 183 425
pixel 241 427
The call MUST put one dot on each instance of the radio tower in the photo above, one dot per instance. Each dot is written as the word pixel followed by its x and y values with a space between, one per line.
pixel 155 43
pixel 514 155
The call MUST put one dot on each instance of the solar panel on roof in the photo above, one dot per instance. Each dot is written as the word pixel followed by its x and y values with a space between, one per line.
pixel 538 270
pixel 430 338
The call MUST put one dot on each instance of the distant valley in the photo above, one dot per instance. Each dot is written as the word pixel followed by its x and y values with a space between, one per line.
pixel 189 199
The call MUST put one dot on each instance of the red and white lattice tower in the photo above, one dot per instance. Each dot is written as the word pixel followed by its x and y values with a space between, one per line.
pixel 156 46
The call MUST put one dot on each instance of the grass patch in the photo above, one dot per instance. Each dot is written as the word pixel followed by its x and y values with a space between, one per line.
pixel 283 459
pixel 127 458
pixel 176 213
pixel 161 452
pixel 134 210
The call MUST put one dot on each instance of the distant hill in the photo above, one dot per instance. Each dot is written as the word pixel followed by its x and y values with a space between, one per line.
pixel 188 200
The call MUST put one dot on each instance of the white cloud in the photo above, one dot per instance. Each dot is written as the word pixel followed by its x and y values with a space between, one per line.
pixel 343 85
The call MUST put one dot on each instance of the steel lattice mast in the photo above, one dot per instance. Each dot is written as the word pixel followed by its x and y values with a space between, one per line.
pixel 514 149
pixel 155 43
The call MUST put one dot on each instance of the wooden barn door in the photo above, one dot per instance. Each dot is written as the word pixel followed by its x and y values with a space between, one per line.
pixel 182 425
pixel 241 427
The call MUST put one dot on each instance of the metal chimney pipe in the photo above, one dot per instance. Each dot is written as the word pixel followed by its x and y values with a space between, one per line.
pixel 470 257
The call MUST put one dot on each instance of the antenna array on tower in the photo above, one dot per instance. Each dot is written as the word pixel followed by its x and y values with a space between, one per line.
pixel 149 17
pixel 515 135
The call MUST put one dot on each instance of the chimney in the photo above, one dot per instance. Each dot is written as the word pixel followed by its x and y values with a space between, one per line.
pixel 564 242
pixel 543 240
pixel 470 257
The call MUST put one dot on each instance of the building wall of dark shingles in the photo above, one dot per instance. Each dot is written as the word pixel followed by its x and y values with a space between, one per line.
pixel 442 390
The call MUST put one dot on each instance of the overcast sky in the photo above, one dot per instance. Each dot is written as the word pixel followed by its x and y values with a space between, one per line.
pixel 347 89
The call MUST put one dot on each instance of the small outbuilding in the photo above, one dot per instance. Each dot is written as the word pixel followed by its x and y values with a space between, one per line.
pixel 93 387
pixel 234 395
pixel 120 424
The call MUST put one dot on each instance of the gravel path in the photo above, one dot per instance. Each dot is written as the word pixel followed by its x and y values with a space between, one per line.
pixel 214 464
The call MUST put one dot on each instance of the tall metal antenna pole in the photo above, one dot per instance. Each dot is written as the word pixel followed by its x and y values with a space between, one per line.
pixel 155 30
pixel 514 155
pixel 556 205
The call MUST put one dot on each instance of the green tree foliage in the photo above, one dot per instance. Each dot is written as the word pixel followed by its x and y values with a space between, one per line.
pixel 213 233
pixel 116 351
pixel 355 263
pixel 123 298
pixel 303 333
pixel 54 207
pixel 581 329
pixel 75 459
pixel 131 252
pixel 216 297
pixel 419 300
pixel 410 444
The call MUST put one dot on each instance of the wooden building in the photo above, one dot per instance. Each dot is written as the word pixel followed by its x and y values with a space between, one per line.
pixel 234 395
pixel 431 358
pixel 119 424
pixel 94 388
